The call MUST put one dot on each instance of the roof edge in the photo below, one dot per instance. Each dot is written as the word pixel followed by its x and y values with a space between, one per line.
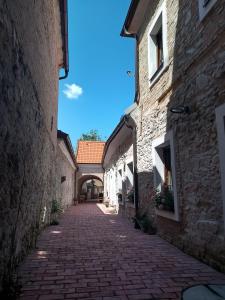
pixel 113 134
pixel 63 5
pixel 66 138
pixel 131 11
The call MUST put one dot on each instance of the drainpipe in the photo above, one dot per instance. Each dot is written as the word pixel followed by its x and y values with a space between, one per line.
pixel 131 124
pixel 64 29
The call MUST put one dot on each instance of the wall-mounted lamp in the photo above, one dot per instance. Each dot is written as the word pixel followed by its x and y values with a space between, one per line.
pixel 130 73
pixel 180 109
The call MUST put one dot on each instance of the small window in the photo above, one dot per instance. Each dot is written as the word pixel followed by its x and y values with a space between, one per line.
pixel 164 177
pixel 167 167
pixel 157 55
pixel 130 174
pixel 204 7
pixel 63 178
pixel 119 180
pixel 159 49
pixel 51 123
pixel 130 182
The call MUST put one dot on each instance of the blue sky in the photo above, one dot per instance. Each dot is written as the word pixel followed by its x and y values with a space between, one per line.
pixel 98 61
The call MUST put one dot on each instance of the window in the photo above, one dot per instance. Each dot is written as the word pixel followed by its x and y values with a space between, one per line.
pixel 130 181
pixel 164 176
pixel 204 7
pixel 220 122
pixel 119 185
pixel 167 167
pixel 157 49
pixel 130 173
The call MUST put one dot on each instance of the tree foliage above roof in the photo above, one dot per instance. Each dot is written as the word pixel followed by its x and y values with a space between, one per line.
pixel 92 135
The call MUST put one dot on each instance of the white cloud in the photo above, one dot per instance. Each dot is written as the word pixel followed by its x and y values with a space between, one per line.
pixel 73 91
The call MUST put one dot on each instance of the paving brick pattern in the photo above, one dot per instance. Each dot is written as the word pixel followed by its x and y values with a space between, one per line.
pixel 92 255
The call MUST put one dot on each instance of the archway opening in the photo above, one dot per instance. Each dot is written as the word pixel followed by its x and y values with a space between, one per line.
pixel 91 189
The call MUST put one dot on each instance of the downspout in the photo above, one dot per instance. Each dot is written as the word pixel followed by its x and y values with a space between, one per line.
pixel 134 129
pixel 64 22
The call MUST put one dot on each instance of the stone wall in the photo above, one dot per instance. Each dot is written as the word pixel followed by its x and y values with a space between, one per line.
pixel 65 190
pixel 195 77
pixel 122 154
pixel 29 58
pixel 86 172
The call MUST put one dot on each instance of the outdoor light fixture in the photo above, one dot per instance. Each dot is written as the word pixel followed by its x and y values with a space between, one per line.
pixel 130 73
pixel 180 109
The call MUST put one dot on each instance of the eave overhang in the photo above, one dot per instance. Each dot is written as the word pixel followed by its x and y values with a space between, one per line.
pixel 134 18
pixel 63 5
pixel 64 136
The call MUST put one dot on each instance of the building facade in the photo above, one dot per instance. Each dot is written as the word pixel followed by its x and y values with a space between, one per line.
pixel 118 164
pixel 34 48
pixel 66 171
pixel 89 178
pixel 180 93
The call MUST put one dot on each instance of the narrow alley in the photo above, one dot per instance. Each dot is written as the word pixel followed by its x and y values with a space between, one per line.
pixel 94 255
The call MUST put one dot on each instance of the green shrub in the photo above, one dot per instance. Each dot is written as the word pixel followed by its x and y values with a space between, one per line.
pixel 164 199
pixel 56 207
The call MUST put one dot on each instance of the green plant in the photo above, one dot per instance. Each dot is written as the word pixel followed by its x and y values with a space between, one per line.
pixel 56 207
pixel 92 135
pixel 164 199
pixel 54 222
pixel 130 195
pixel 143 222
pixel 56 210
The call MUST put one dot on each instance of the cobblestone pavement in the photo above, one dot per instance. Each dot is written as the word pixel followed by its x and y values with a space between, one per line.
pixel 92 255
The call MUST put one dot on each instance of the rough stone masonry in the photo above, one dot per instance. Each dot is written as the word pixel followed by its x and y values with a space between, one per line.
pixel 30 55
pixel 194 76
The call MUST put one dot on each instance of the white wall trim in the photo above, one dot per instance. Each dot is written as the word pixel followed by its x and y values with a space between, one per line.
pixel 164 140
pixel 151 50
pixel 220 122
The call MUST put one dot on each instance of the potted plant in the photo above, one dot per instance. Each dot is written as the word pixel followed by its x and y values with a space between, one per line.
pixel 56 210
pixel 130 195
pixel 164 199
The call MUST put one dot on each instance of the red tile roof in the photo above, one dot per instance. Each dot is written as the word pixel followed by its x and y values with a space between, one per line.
pixel 90 152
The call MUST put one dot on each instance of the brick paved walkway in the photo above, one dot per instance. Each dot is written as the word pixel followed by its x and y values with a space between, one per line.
pixel 92 255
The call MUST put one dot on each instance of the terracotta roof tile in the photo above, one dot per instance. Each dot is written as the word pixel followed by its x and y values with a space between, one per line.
pixel 90 152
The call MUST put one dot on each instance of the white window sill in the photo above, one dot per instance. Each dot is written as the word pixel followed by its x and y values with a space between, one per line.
pixel 167 214
pixel 158 76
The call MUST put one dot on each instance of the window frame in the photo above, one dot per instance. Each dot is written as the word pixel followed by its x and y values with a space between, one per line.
pixel 220 123
pixel 158 22
pixel 127 162
pixel 205 8
pixel 165 140
pixel 120 182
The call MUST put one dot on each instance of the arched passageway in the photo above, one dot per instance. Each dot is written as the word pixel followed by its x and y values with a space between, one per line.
pixel 90 187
